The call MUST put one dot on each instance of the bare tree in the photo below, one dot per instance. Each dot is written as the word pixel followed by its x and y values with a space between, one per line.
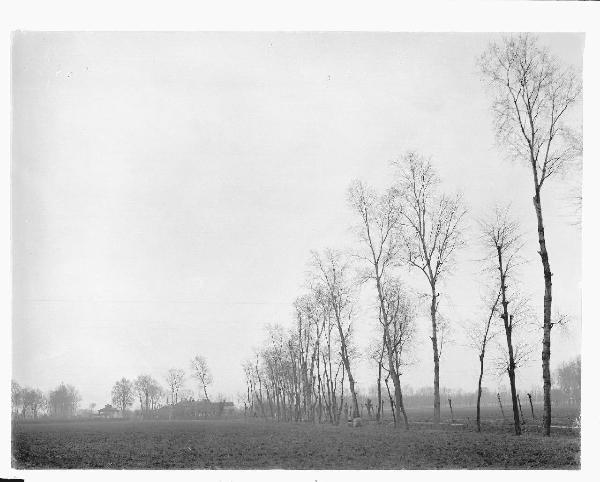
pixel 568 376
pixel 501 236
pixel 431 238
pixel 400 331
pixel 122 394
pixel 310 328
pixel 331 370
pixel 63 401
pixel 156 393
pixel 16 397
pixel 332 271
pixel 480 334
pixel 174 378
pixel 145 386
pixel 532 95
pixel 201 372
pixel 33 399
pixel 379 232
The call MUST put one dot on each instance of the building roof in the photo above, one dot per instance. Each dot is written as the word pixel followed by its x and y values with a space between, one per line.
pixel 108 408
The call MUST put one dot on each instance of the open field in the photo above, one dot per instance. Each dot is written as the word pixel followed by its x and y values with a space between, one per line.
pixel 239 444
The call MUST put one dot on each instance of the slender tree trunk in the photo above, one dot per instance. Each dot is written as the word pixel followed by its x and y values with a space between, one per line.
pixel 378 416
pixel 508 330
pixel 481 356
pixel 513 390
pixel 319 387
pixel 501 409
pixel 346 361
pixel 537 202
pixel 436 358
pixel 393 373
pixel 531 405
pixel 339 413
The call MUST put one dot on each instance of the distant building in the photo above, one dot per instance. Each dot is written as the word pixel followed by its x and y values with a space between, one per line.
pixel 109 412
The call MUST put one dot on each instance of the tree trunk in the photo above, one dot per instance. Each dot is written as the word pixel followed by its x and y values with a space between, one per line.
pixel 481 356
pixel 391 402
pixel 378 416
pixel 521 410
pixel 393 373
pixel 501 409
pixel 515 405
pixel 398 397
pixel 346 361
pixel 436 359
pixel 531 405
pixel 547 418
pixel 387 343
pixel 508 330
pixel 341 406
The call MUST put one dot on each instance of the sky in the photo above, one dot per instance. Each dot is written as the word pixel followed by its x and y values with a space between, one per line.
pixel 167 190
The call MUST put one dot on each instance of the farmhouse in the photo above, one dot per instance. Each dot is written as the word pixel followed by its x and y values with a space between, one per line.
pixel 109 412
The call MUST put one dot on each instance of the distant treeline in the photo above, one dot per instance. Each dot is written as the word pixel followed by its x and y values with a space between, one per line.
pixel 26 402
pixel 63 401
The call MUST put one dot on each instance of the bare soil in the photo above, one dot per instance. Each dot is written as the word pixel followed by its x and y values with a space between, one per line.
pixel 254 444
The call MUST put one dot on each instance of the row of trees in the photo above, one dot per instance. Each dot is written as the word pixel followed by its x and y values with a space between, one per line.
pixel 152 395
pixel 412 226
pixel 26 402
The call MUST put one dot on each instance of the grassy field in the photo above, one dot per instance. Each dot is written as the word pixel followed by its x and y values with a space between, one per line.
pixel 253 444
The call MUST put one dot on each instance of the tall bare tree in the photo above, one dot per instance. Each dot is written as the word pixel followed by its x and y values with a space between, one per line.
pixel 201 372
pixel 432 236
pixel 332 270
pixel 532 94
pixel 379 232
pixel 501 236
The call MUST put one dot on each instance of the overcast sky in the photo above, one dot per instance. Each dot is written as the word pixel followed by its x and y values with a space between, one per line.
pixel 168 188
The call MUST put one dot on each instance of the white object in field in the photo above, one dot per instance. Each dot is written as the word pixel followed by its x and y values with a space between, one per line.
pixel 357 422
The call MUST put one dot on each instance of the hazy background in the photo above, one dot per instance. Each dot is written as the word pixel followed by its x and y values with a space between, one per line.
pixel 167 190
